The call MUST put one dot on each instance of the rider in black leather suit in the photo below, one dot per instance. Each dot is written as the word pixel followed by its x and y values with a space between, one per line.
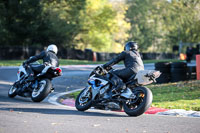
pixel 132 61
pixel 49 58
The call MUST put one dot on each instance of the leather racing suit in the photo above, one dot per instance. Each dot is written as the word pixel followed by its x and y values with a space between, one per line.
pixel 133 63
pixel 48 57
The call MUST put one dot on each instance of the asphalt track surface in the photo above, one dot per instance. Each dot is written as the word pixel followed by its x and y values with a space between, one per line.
pixel 22 115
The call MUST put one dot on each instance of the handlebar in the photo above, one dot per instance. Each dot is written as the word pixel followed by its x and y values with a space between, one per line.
pixel 101 71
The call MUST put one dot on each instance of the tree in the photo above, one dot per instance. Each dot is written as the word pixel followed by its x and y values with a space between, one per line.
pixel 39 22
pixel 101 26
pixel 182 21
pixel 63 19
pixel 144 23
pixel 20 22
pixel 158 25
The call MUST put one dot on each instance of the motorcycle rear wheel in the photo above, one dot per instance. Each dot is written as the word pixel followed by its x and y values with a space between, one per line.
pixel 42 91
pixel 140 104
pixel 84 100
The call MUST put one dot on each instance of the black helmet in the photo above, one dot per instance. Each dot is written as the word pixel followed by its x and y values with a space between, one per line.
pixel 131 46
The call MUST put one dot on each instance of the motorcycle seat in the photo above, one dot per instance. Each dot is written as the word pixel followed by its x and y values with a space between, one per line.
pixel 37 68
pixel 131 78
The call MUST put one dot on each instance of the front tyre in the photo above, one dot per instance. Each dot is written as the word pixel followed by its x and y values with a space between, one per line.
pixel 12 92
pixel 84 99
pixel 41 92
pixel 140 104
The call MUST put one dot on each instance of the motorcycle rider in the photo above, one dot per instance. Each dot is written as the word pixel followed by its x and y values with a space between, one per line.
pixel 49 58
pixel 132 61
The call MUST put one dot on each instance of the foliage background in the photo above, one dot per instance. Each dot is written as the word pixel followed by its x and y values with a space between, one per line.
pixel 100 25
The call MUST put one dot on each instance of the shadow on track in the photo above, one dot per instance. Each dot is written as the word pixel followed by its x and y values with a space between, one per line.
pixel 62 112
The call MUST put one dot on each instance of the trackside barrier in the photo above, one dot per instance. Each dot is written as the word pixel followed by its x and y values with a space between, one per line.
pixel 176 71
pixel 24 52
pixel 198 66
pixel 94 56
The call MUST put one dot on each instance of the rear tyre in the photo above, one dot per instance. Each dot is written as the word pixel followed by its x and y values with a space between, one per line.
pixel 12 92
pixel 41 92
pixel 84 99
pixel 137 106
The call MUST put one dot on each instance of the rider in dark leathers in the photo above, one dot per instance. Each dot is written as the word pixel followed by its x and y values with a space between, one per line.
pixel 49 58
pixel 132 61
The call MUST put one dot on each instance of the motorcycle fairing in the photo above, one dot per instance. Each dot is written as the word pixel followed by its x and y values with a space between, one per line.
pixel 20 71
pixel 96 89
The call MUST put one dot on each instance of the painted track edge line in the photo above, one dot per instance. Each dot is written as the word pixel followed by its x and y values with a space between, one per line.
pixel 54 99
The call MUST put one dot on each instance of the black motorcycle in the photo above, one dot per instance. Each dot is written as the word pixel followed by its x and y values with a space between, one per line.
pixel 134 100
pixel 39 88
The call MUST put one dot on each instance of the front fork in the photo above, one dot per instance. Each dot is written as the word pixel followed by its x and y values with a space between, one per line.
pixel 88 87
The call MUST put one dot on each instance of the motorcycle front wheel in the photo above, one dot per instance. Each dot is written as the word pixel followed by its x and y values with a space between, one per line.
pixel 141 102
pixel 41 92
pixel 84 99
pixel 12 92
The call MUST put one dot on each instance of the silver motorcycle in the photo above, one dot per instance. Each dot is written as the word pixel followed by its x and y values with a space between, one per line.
pixel 134 100
pixel 39 88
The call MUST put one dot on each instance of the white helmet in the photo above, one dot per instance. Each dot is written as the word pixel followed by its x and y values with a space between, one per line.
pixel 52 48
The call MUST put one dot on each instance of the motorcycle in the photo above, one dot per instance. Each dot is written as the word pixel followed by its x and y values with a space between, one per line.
pixel 39 88
pixel 134 100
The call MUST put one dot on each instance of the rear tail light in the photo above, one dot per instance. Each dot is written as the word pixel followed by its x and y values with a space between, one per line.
pixel 58 70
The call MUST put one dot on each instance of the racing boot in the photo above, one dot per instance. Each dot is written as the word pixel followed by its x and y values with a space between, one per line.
pixel 118 85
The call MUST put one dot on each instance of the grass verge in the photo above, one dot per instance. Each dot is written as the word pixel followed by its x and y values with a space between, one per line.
pixel 75 62
pixel 180 95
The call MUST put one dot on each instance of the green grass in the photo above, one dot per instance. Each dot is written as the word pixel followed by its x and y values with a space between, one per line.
pixel 75 62
pixel 164 60
pixel 78 62
pixel 11 62
pixel 180 95
pixel 73 95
